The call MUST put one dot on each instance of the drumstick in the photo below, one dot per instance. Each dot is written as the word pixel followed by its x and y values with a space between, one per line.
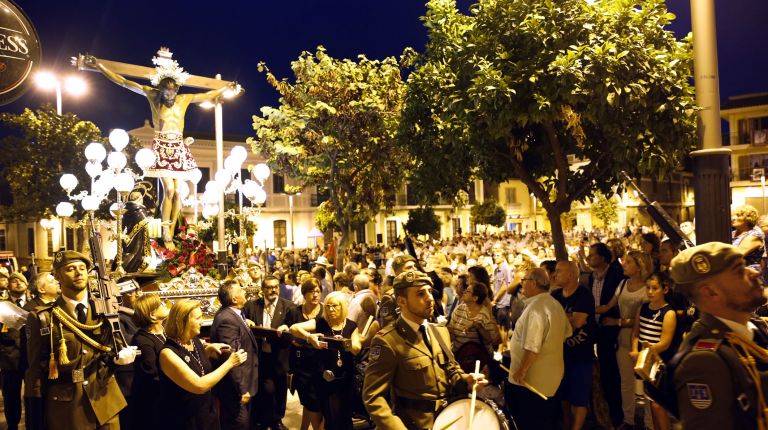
pixel 474 396
pixel 367 327
pixel 525 384
pixel 445 427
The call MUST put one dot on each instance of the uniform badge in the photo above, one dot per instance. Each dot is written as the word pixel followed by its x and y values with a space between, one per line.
pixel 375 352
pixel 700 264
pixel 699 395
pixel 707 345
pixel 187 359
pixel 45 331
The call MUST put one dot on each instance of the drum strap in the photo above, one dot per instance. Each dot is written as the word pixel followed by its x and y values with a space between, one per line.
pixel 447 351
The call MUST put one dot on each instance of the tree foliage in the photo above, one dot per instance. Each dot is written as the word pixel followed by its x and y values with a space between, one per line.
pixel 41 146
pixel 422 220
pixel 488 213
pixel 336 128
pixel 514 88
pixel 605 209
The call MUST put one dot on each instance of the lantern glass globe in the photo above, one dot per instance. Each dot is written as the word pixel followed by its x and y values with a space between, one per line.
pixel 261 172
pixel 95 152
pixel 68 181
pixel 65 209
pixel 119 139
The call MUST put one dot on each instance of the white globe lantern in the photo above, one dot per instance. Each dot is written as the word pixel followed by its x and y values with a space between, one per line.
pixel 195 176
pixel 183 190
pixel 68 181
pixel 93 168
pixel 213 187
pixel 101 187
pixel 145 158
pixel 210 198
pixel 210 211
pixel 261 172
pixel 95 152
pixel 240 154
pixel 223 177
pixel 232 164
pixel 260 197
pixel 249 189
pixel 119 139
pixel 65 209
pixel 113 210
pixel 116 160
pixel 90 203
pixel 124 182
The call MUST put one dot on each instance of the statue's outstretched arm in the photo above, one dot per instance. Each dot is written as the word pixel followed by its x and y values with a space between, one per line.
pixel 91 61
pixel 212 95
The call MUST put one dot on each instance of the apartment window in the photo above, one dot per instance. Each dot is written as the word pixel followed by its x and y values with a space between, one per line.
pixel 281 235
pixel 391 232
pixel 360 233
pixel 278 184
pixel 3 244
pixel 753 131
pixel 456 224
pixel 410 196
pixel 204 178
pixel 30 241
pixel 511 195
pixel 49 240
pixel 70 233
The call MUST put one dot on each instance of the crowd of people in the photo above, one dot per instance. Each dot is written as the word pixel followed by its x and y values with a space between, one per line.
pixel 393 337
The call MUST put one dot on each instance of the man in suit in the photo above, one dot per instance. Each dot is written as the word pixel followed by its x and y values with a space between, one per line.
pixel 411 360
pixel 230 326
pixel 605 277
pixel 272 312
pixel 12 360
pixel 71 359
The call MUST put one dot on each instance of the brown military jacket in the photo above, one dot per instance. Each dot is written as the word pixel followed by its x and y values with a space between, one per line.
pixel 403 368
pixel 74 400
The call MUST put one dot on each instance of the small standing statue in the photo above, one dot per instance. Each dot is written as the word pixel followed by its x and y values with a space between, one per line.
pixel 173 160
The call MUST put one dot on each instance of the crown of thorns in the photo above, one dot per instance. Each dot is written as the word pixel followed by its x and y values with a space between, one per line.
pixel 167 67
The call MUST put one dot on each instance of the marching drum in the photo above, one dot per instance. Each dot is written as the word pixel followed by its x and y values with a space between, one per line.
pixel 488 416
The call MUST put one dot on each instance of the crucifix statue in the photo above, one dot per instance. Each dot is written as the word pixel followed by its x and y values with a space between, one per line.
pixel 173 160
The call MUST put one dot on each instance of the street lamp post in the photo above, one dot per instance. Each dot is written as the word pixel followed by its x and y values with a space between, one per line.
pixel 72 85
pixel 64 210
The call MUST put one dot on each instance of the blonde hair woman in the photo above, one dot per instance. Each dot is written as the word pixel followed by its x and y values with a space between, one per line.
pixel 186 376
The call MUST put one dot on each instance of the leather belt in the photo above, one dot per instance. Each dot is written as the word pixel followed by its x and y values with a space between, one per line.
pixel 420 404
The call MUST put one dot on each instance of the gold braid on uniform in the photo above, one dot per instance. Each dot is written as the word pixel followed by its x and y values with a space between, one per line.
pixel 747 351
pixel 77 328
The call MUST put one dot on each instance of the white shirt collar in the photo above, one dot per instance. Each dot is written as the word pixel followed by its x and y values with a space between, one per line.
pixel 71 304
pixel 414 326
pixel 746 331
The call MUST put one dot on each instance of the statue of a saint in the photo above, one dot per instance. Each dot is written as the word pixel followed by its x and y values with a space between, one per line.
pixel 173 160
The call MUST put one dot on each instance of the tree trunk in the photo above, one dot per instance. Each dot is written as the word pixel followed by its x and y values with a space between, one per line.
pixel 558 239
pixel 342 248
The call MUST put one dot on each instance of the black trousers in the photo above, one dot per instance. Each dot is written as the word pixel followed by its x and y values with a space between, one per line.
pixel 234 415
pixel 528 410
pixel 272 397
pixel 610 379
pixel 12 397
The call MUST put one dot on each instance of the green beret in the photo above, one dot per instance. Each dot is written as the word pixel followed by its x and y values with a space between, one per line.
pixel 703 261
pixel 399 262
pixel 18 276
pixel 411 278
pixel 62 258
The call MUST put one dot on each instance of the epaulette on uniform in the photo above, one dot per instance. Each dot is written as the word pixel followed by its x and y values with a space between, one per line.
pixel 707 345
pixel 385 330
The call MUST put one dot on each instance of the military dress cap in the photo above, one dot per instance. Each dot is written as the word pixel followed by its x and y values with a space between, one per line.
pixel 62 258
pixel 411 278
pixel 399 262
pixel 703 261
pixel 19 277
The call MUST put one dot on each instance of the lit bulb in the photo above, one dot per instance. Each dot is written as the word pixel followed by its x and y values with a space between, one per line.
pixel 124 182
pixel 240 153
pixel 145 158
pixel 65 209
pixel 95 152
pixel 261 172
pixel 90 203
pixel 75 86
pixel 119 139
pixel 68 181
pixel 116 160
pixel 195 176
pixel 93 168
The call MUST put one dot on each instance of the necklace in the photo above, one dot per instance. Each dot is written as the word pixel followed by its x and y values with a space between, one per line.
pixel 196 356
pixel 159 336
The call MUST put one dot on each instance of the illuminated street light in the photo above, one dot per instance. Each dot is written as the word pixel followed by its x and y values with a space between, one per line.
pixel 73 85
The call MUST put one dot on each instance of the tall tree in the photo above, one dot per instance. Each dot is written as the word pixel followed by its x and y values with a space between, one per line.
pixel 336 128
pixel 514 88
pixel 488 213
pixel 40 146
pixel 422 220
pixel 606 209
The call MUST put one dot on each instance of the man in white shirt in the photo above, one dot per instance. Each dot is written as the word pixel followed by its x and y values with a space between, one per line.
pixel 362 305
pixel 536 352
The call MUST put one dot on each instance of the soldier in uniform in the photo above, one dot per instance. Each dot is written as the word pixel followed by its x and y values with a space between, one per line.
pixel 412 360
pixel 3 282
pixel 71 363
pixel 720 373
pixel 12 360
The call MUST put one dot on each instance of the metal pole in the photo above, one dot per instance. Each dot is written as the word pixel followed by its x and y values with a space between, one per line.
pixel 712 161
pixel 63 244
pixel 220 165
pixel 58 97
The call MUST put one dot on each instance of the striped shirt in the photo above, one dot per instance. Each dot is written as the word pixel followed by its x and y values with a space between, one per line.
pixel 651 323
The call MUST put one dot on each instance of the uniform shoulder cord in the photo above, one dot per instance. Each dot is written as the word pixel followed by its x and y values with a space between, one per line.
pixel 747 351
pixel 77 328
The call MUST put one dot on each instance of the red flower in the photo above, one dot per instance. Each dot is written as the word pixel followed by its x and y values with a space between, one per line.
pixel 182 227
pixel 182 259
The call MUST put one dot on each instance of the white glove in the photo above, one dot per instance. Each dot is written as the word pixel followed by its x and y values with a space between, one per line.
pixel 497 356
pixel 442 320
pixel 126 356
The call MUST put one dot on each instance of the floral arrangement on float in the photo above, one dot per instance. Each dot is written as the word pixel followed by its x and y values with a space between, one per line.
pixel 190 254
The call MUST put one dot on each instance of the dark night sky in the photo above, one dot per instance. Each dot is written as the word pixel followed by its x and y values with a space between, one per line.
pixel 231 37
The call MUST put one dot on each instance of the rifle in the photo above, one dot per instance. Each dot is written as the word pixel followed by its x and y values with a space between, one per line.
pixel 105 296
pixel 660 216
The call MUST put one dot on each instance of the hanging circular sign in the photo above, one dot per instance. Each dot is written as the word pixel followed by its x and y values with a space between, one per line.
pixel 20 51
